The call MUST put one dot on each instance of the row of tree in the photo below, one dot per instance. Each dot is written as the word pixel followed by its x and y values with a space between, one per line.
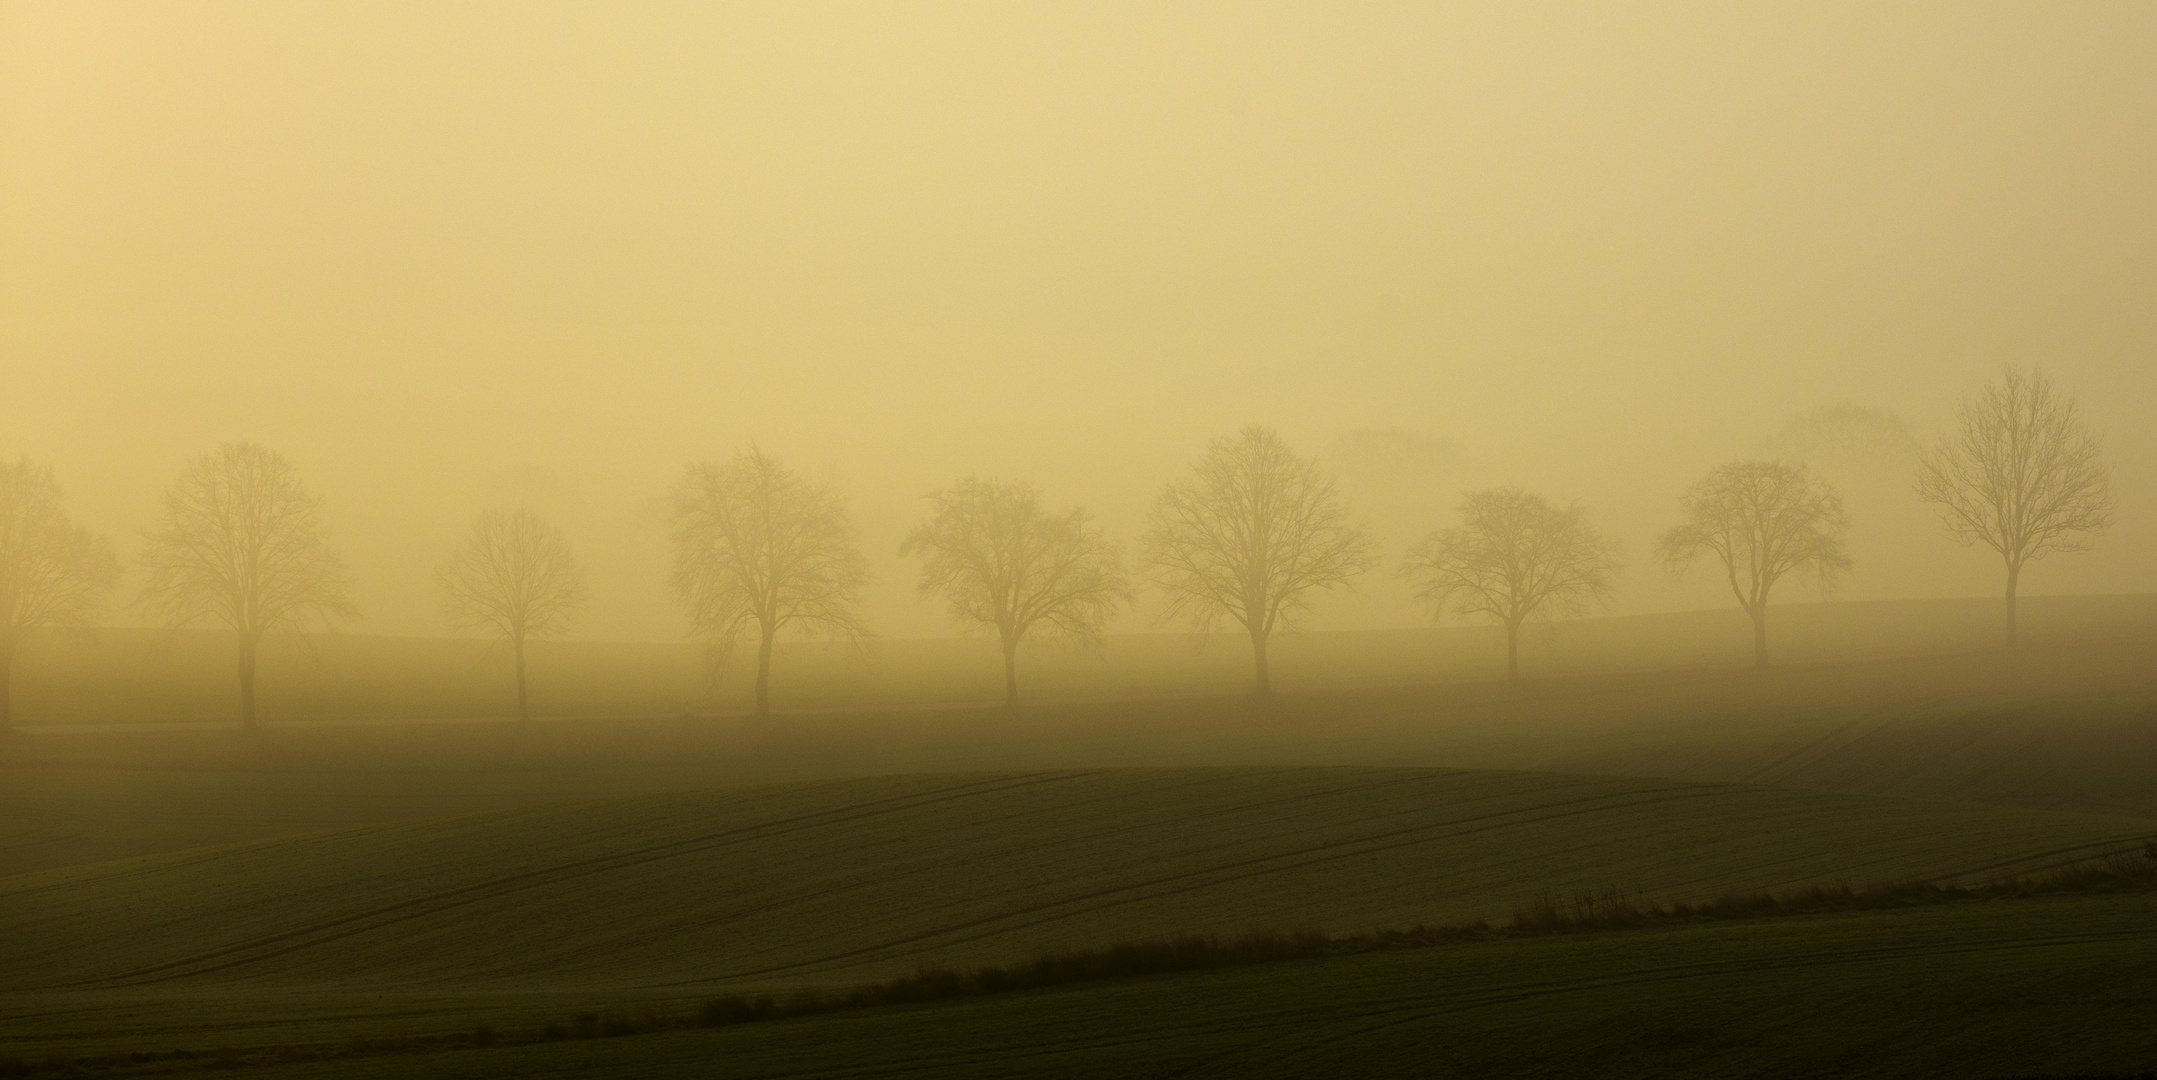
pixel 1247 538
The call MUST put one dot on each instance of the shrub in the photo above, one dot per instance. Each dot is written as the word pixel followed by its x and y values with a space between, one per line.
pixel 734 1009
pixel 1538 916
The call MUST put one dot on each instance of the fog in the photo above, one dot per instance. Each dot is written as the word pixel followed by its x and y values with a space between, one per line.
pixel 453 256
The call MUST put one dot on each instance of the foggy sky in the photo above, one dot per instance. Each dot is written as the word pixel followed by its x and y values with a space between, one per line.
pixel 451 255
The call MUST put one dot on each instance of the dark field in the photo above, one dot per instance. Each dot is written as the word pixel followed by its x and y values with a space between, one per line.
pixel 174 887
pixel 2025 988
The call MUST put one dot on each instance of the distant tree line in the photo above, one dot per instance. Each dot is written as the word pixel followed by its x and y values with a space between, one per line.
pixel 1247 538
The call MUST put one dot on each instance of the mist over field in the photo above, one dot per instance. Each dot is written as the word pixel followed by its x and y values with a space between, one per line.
pixel 1078 539
pixel 550 254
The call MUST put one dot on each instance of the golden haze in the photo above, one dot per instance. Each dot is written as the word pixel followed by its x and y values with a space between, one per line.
pixel 449 256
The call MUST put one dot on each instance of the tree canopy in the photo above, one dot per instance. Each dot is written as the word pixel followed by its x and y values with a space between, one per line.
pixel 1250 535
pixel 2020 474
pixel 516 576
pixel 757 545
pixel 1513 557
pixel 1000 558
pixel 242 543
pixel 1764 521
pixel 52 571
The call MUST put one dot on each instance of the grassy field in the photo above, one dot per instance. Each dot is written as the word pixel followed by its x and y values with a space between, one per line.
pixel 497 917
pixel 134 675
pixel 2061 726
pixel 2055 987
pixel 172 886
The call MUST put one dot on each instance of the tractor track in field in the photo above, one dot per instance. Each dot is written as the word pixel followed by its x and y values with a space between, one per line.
pixel 1214 876
pixel 1240 1061
pixel 265 947
pixel 909 903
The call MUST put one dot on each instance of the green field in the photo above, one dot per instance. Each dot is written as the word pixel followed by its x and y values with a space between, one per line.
pixel 172 887
pixel 507 917
pixel 2023 988
pixel 2061 726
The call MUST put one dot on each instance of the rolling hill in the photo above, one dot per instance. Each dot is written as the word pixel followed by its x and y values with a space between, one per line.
pixel 2066 727
pixel 2054 988
pixel 427 925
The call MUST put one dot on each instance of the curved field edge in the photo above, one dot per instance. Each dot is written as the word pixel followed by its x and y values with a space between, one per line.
pixel 838 883
pixel 2048 728
pixel 2054 985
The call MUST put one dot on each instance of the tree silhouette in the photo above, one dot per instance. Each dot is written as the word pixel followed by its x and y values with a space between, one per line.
pixel 999 558
pixel 243 543
pixel 1765 520
pixel 2020 473
pixel 52 572
pixel 755 544
pixel 1514 557
pixel 1249 534
pixel 514 575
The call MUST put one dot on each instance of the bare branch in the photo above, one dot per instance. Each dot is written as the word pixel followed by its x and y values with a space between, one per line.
pixel 1764 520
pixel 754 544
pixel 52 571
pixel 1514 557
pixel 243 543
pixel 515 575
pixel 999 559
pixel 1250 534
pixel 2020 473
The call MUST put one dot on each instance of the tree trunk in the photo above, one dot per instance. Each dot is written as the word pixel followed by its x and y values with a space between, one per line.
pixel 2014 575
pixel 1011 671
pixel 7 679
pixel 1512 653
pixel 1258 654
pixel 524 711
pixel 1759 612
pixel 249 639
pixel 763 673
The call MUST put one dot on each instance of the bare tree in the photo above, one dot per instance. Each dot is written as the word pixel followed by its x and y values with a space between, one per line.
pixel 243 544
pixel 1765 520
pixel 52 572
pixel 1514 557
pixel 991 550
pixel 1250 534
pixel 755 544
pixel 515 575
pixel 2020 473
